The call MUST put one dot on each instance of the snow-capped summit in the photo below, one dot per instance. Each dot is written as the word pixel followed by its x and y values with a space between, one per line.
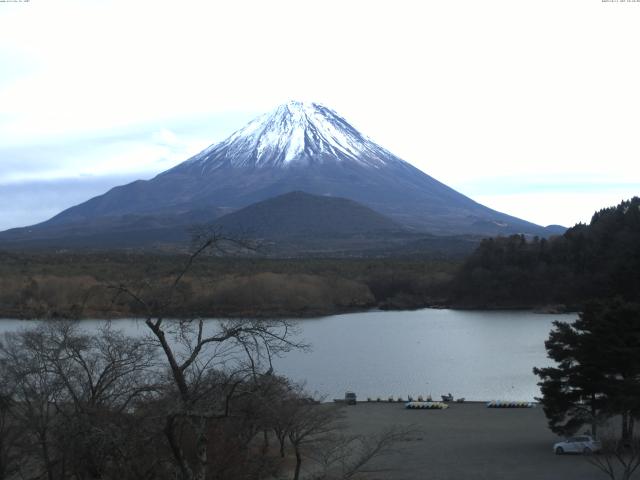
pixel 293 133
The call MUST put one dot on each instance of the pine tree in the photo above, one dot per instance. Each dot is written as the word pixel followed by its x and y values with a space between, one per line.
pixel 598 369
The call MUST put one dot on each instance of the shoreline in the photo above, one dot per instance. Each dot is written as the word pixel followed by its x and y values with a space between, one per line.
pixel 288 314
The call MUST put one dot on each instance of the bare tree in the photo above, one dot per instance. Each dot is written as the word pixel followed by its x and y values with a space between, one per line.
pixel 310 425
pixel 103 375
pixel 10 432
pixel 316 432
pixel 619 459
pixel 35 392
pixel 345 457
pixel 72 393
pixel 210 364
pixel 285 401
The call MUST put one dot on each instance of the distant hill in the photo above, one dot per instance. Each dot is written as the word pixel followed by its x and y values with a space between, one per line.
pixel 300 224
pixel 300 214
pixel 587 262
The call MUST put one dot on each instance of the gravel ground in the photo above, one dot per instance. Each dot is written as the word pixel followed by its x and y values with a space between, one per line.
pixel 469 441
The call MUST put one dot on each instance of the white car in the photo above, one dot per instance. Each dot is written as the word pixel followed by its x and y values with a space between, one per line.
pixel 579 444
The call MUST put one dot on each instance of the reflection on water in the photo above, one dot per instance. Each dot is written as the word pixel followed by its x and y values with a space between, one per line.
pixel 472 354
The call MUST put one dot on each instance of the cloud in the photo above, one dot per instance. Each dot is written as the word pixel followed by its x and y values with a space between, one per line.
pixel 464 90
pixel 145 150
pixel 28 203
pixel 86 158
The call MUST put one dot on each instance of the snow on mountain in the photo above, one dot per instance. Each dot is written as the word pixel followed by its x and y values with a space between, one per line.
pixel 298 146
pixel 293 133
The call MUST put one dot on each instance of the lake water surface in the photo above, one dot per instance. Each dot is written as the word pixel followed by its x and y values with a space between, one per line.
pixel 479 355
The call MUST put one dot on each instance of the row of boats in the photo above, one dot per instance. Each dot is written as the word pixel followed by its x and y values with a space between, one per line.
pixel 491 404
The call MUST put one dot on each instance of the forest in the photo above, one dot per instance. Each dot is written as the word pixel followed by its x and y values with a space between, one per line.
pixel 588 262
pixel 563 272
pixel 74 285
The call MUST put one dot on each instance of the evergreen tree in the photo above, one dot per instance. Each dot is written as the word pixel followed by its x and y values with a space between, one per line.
pixel 615 326
pixel 598 369
pixel 572 392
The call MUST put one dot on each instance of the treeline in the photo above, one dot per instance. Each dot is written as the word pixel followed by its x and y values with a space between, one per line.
pixel 65 285
pixel 598 260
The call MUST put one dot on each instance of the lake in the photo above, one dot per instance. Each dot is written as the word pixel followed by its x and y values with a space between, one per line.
pixel 479 355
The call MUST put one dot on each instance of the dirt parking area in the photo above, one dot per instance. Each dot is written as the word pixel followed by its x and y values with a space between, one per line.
pixel 469 441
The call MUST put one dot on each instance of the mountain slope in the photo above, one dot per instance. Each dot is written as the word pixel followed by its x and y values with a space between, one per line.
pixel 299 214
pixel 297 147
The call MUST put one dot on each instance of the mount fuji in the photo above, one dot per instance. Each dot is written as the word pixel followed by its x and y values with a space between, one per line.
pixel 297 147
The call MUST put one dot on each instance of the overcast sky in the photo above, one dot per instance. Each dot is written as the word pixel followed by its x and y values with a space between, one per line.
pixel 530 107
